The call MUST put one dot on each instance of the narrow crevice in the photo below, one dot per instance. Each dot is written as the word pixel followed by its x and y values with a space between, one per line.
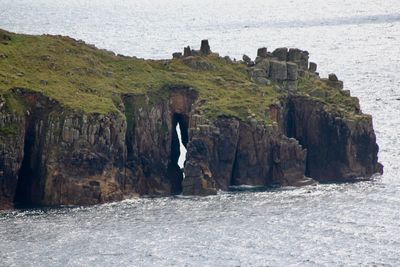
pixel 130 131
pixel 232 180
pixel 293 130
pixel 29 191
pixel 174 172
pixel 24 191
pixel 290 128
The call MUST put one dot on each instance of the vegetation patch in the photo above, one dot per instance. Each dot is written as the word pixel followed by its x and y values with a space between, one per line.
pixel 10 129
pixel 86 79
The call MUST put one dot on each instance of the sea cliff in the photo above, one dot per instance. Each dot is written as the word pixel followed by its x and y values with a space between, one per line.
pixel 80 125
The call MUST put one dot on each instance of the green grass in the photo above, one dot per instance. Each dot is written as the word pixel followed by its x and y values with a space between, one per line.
pixel 81 77
pixel 331 96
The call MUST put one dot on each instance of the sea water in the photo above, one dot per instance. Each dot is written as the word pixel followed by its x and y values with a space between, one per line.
pixel 325 225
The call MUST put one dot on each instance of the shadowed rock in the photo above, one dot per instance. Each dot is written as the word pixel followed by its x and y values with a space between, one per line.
pixel 205 48
pixel 187 52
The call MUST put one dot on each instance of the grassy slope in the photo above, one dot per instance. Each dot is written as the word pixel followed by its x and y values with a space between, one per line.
pixel 87 79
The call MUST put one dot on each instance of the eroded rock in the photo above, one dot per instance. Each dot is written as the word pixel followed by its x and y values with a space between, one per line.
pixel 278 70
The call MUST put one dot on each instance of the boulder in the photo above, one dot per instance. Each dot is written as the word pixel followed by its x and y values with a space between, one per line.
pixel 228 59
pixel 294 55
pixel 332 77
pixel 313 67
pixel 304 60
pixel 262 52
pixel 205 48
pixel 292 71
pixel 263 64
pixel 278 70
pixel 187 52
pixel 281 53
pixel 246 59
pixel 177 55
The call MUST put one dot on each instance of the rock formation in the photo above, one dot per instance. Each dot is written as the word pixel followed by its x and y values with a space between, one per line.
pixel 271 121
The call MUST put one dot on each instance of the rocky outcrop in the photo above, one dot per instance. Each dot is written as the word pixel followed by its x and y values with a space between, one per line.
pixel 230 152
pixel 60 157
pixel 54 155
pixel 338 148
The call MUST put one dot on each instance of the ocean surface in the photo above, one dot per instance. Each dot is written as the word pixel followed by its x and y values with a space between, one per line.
pixel 325 225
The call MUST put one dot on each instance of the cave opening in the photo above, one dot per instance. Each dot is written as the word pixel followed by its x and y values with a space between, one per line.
pixel 23 197
pixel 179 141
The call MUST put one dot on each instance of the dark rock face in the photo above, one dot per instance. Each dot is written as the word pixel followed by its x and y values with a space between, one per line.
pixel 55 157
pixel 11 155
pixel 187 52
pixel 338 149
pixel 237 153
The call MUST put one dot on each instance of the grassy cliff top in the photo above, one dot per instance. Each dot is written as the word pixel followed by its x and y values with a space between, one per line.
pixel 84 78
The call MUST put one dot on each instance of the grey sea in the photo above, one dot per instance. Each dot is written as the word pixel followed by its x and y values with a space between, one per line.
pixel 325 225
